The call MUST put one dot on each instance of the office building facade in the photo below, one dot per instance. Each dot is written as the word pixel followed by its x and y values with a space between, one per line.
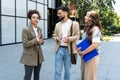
pixel 13 18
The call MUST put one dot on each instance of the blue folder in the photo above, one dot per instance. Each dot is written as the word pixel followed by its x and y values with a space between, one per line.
pixel 84 44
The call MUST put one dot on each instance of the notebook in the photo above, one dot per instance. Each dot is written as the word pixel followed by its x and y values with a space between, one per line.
pixel 85 44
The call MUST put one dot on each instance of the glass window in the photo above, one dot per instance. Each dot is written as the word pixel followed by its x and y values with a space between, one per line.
pixel 46 29
pixel 45 1
pixel 40 8
pixel 21 8
pixel 32 0
pixel 20 24
pixel 8 30
pixel 41 1
pixel 8 8
pixel 46 12
pixel 41 25
pixel 31 5
pixel 51 4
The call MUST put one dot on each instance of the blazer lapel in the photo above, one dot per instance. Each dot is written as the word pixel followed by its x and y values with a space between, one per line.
pixel 32 31
pixel 60 29
pixel 39 32
pixel 69 32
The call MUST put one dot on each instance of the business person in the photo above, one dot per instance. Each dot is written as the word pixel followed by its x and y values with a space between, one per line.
pixel 63 39
pixel 32 56
pixel 93 32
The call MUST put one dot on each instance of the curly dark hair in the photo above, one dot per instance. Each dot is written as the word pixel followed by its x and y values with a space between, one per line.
pixel 31 12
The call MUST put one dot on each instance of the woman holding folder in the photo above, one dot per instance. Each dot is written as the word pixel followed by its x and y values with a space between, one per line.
pixel 92 32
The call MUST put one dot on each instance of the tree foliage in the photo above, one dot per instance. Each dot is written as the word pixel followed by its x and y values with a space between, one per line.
pixel 109 19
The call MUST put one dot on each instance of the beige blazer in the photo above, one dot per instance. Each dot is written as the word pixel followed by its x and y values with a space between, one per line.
pixel 31 48
pixel 75 35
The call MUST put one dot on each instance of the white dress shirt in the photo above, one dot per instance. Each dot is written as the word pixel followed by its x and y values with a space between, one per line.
pixel 65 29
pixel 36 33
pixel 96 36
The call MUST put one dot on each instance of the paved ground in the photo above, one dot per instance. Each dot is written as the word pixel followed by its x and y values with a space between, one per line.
pixel 11 69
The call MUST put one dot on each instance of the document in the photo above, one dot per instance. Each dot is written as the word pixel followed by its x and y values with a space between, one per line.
pixel 84 44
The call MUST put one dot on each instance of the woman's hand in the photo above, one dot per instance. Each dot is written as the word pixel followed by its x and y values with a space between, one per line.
pixel 41 41
pixel 78 49
pixel 39 35
pixel 79 52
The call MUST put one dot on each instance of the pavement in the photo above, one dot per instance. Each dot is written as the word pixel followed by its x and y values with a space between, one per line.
pixel 109 66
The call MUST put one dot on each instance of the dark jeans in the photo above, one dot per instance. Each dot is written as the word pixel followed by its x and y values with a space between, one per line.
pixel 29 70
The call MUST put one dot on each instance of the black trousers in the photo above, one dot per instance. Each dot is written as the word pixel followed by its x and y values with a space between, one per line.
pixel 30 69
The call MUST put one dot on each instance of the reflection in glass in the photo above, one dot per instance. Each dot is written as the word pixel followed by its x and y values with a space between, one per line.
pixel 41 10
pixel 41 1
pixel 8 8
pixel 8 30
pixel 33 0
pixel 45 12
pixel 45 1
pixel 21 8
pixel 46 29
pixel 31 5
pixel 51 4
pixel 20 24
pixel 41 25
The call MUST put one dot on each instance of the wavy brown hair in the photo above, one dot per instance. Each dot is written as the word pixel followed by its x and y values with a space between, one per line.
pixel 94 21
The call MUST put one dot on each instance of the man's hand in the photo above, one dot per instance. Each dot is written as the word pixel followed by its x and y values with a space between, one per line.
pixel 58 39
pixel 66 39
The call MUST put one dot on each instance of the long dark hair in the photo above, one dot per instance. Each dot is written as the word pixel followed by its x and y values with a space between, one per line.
pixel 94 16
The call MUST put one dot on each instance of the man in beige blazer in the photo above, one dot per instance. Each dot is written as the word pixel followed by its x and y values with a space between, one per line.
pixel 63 39
pixel 32 56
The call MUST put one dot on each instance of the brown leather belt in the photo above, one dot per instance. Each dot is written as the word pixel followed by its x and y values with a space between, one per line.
pixel 63 46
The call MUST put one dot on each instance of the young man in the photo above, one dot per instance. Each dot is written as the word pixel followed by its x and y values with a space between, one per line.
pixel 62 37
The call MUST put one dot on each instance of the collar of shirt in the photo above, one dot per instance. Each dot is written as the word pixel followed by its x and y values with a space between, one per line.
pixel 65 29
pixel 66 26
pixel 35 28
pixel 68 21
